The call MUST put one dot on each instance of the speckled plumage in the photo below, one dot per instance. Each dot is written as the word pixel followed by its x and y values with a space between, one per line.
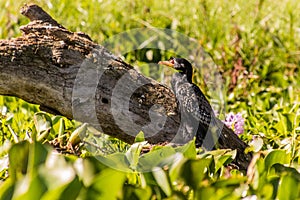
pixel 195 110
pixel 197 116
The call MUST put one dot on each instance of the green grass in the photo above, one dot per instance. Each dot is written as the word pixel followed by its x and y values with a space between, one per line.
pixel 262 38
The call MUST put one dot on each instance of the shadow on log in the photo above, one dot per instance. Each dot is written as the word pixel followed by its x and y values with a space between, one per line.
pixel 67 73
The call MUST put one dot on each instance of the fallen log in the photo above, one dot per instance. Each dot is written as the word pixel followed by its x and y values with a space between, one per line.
pixel 67 73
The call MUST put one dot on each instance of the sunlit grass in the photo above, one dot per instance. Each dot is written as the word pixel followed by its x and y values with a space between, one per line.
pixel 255 45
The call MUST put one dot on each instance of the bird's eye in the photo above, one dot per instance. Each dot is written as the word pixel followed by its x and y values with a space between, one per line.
pixel 171 60
pixel 182 65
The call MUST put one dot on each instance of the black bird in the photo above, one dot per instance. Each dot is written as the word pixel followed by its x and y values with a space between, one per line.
pixel 197 116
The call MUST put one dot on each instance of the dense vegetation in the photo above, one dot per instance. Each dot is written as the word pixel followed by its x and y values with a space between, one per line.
pixel 256 46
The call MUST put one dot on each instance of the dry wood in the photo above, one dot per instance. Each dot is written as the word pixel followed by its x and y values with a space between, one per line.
pixel 41 67
pixel 66 73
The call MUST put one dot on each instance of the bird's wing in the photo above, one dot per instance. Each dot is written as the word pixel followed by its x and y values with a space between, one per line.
pixel 193 101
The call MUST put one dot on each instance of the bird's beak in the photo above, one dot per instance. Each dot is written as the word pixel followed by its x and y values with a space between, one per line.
pixel 166 63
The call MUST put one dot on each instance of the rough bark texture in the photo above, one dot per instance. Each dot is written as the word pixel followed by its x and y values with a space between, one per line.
pixel 68 74
pixel 47 63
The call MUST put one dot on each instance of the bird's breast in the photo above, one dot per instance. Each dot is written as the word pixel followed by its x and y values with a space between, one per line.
pixel 180 84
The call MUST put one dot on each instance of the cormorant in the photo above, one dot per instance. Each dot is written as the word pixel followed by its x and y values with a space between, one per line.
pixel 198 118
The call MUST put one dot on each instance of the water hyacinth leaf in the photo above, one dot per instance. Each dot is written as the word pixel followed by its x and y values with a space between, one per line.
pixel 288 187
pixel 276 156
pixel 162 180
pixel 140 137
pixel 107 184
pixel 212 193
pixel 133 154
pixel 206 193
pixel 59 178
pixel 198 168
pixel 37 156
pixel 230 182
pixel 29 188
pixel 222 157
pixel 58 125
pixel 116 161
pixel 61 130
pixel 85 170
pixel 188 150
pixel 56 171
pixel 175 168
pixel 285 124
pixel 131 192
pixel 7 189
pixel 18 159
pixel 68 191
pixel 76 135
pixel 267 191
pixel 289 119
pixel 154 158
pixel 43 125
pixel 281 170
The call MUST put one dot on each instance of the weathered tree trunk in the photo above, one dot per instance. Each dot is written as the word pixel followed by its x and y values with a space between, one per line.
pixel 68 74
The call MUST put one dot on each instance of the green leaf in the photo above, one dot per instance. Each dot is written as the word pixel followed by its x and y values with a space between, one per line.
pixel 289 119
pixel 43 125
pixel 154 158
pixel 285 124
pixel 67 191
pixel 222 157
pixel 7 189
pixel 188 150
pixel 133 154
pixel 175 169
pixel 139 137
pixel 162 180
pixel 267 191
pixel 206 193
pixel 77 135
pixel 276 156
pixel 116 161
pixel 281 169
pixel 107 184
pixel 37 156
pixel 288 187
pixel 132 192
pixel 30 187
pixel 58 125
pixel 85 170
pixel 56 172
pixel 18 159
pixel 230 182
pixel 194 171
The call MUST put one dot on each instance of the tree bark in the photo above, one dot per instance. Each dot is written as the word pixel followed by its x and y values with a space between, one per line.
pixel 67 73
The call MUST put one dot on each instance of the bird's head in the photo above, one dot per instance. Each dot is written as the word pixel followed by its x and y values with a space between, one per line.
pixel 181 65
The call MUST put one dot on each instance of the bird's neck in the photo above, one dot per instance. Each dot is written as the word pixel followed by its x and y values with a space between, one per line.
pixel 188 75
pixel 181 78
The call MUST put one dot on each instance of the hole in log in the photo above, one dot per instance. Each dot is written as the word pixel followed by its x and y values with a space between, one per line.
pixel 104 100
